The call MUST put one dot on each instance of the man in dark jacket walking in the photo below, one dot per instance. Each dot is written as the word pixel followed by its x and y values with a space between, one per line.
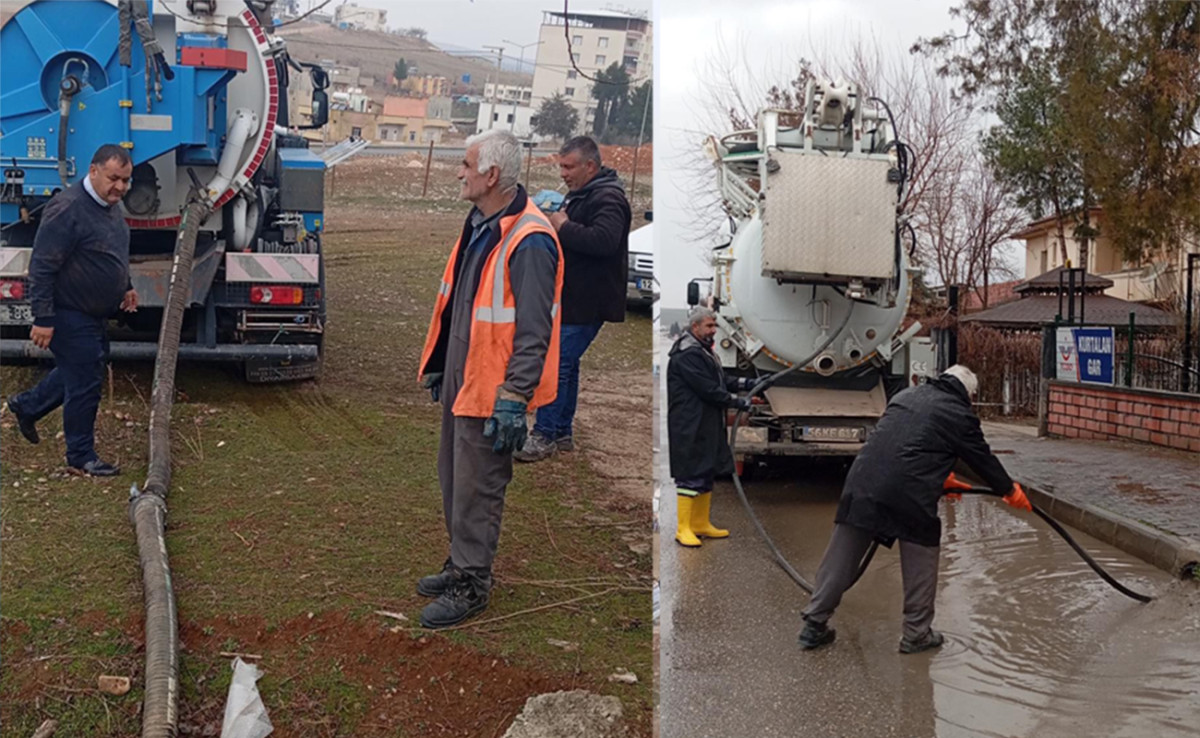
pixel 892 492
pixel 593 228
pixel 78 277
pixel 698 395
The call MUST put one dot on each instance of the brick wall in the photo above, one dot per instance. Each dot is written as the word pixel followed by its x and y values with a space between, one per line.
pixel 1169 419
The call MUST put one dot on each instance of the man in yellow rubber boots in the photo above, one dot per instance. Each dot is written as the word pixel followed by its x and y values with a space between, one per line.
pixel 698 396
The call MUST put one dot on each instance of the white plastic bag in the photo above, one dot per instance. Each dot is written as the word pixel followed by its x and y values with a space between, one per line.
pixel 245 714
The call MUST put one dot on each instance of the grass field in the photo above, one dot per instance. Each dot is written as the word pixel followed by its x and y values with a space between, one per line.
pixel 297 511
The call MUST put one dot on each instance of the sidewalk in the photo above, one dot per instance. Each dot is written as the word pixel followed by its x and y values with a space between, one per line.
pixel 1140 498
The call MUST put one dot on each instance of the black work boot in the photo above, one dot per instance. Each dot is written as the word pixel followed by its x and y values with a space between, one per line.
pixel 816 635
pixel 931 639
pixel 96 468
pixel 434 584
pixel 462 599
pixel 26 426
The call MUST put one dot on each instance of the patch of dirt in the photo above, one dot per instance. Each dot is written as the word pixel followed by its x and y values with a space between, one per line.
pixel 418 682
pixel 615 417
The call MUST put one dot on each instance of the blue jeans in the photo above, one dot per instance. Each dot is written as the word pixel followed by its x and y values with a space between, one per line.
pixel 80 348
pixel 554 420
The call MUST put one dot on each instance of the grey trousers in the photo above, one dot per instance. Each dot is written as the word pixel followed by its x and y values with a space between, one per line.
pixel 918 568
pixel 473 479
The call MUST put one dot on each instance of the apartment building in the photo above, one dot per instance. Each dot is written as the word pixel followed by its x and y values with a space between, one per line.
pixel 596 40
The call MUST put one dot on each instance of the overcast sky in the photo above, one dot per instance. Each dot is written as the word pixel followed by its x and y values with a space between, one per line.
pixel 482 22
pixel 765 38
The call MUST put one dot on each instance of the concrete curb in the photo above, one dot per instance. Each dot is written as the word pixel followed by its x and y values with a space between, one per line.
pixel 1167 551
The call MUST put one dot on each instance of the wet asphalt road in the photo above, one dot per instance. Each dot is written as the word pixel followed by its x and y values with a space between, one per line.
pixel 1037 644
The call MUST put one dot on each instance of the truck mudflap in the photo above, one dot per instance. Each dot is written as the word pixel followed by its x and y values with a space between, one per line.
pixel 289 355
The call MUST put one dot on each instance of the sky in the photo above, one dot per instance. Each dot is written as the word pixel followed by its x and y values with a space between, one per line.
pixel 479 23
pixel 764 38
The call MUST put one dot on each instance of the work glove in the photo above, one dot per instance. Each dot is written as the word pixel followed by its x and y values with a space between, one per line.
pixel 1017 498
pixel 507 426
pixel 953 482
pixel 742 403
pixel 745 384
pixel 433 383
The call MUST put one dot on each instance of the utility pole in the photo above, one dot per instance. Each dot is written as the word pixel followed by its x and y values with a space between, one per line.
pixel 512 124
pixel 495 88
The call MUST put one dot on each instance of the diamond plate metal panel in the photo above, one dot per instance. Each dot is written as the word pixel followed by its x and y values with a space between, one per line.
pixel 829 217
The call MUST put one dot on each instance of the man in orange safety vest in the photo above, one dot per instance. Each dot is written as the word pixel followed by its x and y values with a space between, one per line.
pixel 491 356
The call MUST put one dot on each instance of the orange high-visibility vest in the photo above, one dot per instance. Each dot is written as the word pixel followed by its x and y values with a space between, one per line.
pixel 494 320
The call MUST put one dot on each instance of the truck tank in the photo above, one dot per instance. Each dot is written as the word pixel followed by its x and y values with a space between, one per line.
pixel 196 91
pixel 815 247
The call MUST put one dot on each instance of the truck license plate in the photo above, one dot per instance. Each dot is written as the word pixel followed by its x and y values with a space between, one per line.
pixel 831 433
pixel 16 315
pixel 645 284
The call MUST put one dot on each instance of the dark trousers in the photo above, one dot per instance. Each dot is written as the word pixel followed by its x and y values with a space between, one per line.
pixel 554 421
pixel 80 348
pixel 474 479
pixel 839 566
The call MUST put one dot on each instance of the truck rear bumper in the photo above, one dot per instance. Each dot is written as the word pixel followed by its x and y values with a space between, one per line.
pixel 139 351
pixel 798 449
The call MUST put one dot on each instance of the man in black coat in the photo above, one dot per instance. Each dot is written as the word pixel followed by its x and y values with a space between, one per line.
pixel 698 395
pixel 892 492
pixel 78 277
pixel 593 229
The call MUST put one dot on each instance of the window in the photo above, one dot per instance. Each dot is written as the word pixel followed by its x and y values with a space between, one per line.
pixel 510 118
pixel 356 132
pixel 600 59
pixel 569 91
pixel 602 42
pixel 575 58
pixel 572 74
pixel 577 40
pixel 495 117
pixel 1044 259
pixel 412 136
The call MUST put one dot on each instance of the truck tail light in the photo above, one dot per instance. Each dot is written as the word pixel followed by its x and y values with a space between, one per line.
pixel 12 290
pixel 276 295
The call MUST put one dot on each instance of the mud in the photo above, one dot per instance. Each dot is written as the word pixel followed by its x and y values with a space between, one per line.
pixel 1037 645
pixel 613 417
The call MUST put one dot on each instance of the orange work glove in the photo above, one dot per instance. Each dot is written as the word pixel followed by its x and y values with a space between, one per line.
pixel 1017 499
pixel 953 482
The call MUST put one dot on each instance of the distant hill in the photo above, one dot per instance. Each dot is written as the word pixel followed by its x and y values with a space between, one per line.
pixel 375 53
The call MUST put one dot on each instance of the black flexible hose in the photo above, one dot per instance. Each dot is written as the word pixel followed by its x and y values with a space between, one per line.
pixel 148 509
pixel 737 480
pixel 1057 528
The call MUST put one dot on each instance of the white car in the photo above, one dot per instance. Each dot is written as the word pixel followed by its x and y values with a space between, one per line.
pixel 642 290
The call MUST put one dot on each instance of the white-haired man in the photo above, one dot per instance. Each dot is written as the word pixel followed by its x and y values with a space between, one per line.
pixel 892 492
pixel 491 356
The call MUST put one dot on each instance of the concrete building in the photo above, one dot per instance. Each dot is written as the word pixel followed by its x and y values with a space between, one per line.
pixel 350 15
pixel 1158 279
pixel 413 120
pixel 508 93
pixel 426 86
pixel 597 39
pixel 506 117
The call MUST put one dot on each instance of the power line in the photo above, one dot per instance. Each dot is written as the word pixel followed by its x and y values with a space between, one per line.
pixel 571 54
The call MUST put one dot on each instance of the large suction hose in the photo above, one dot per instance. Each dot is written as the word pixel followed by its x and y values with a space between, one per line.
pixel 148 508
pixel 737 480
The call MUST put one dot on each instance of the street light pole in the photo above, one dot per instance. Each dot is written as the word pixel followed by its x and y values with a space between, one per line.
pixel 496 87
pixel 512 124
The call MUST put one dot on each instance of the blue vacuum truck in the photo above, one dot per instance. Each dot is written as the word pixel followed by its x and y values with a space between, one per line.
pixel 196 90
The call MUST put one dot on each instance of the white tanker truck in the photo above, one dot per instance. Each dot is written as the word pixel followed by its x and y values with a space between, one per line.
pixel 815 258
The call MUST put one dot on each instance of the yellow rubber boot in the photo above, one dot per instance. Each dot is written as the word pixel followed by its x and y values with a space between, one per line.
pixel 684 511
pixel 701 525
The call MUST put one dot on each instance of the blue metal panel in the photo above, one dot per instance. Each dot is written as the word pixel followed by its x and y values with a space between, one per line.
pixel 205 40
pixel 314 222
pixel 51 37
pixel 300 159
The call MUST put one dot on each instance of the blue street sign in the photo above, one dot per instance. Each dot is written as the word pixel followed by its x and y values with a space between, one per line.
pixel 466 79
pixel 1085 355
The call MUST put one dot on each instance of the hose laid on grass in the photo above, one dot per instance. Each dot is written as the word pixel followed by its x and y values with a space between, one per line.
pixel 148 509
